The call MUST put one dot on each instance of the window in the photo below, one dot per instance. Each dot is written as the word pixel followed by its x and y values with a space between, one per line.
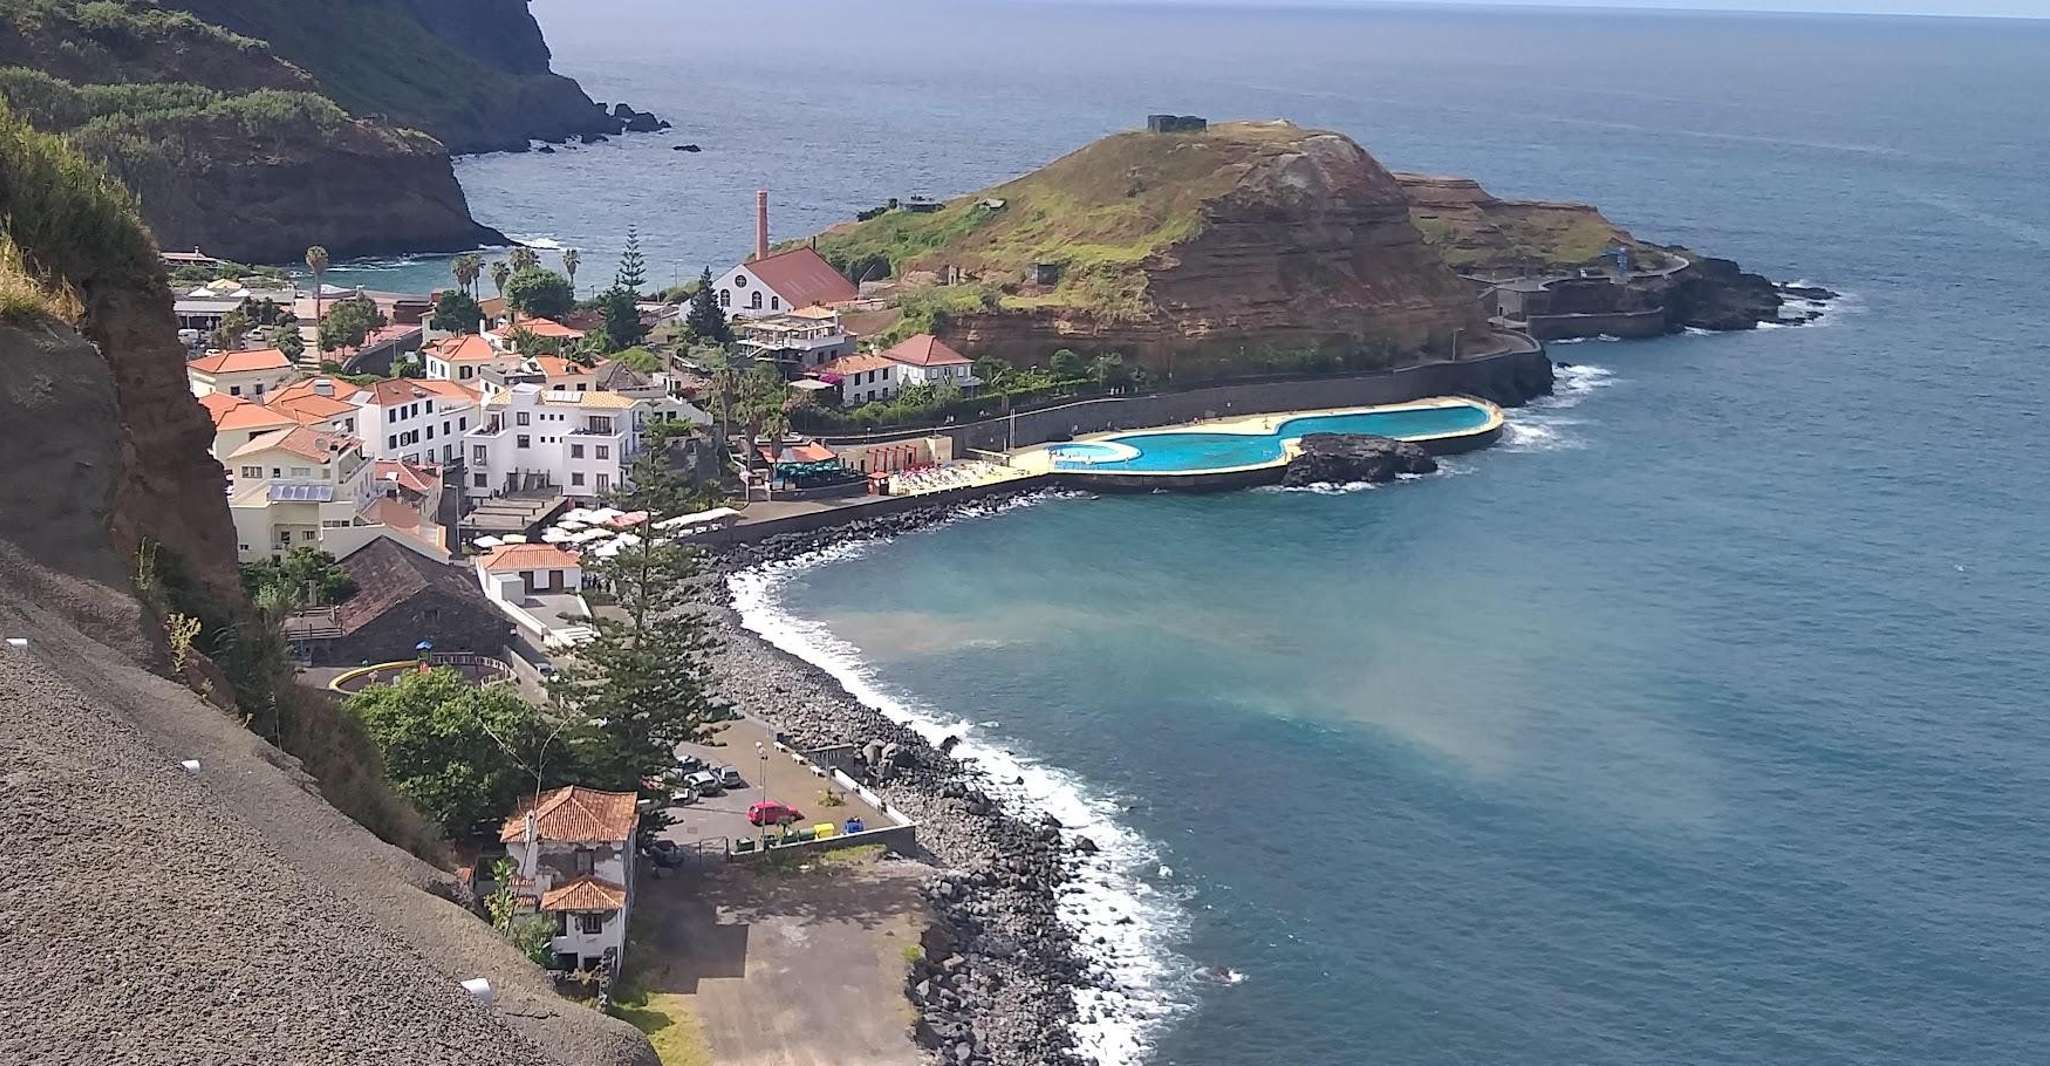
pixel 523 441
pixel 604 482
pixel 754 301
pixel 604 451
pixel 480 454
pixel 463 424
pixel 521 418
pixel 430 431
pixel 252 471
pixel 302 471
pixel 740 281
pixel 391 414
pixel 590 923
pixel 725 297
pixel 464 373
pixel 430 407
pixel 444 427
pixel 576 451
pixel 259 388
pixel 576 477
pixel 775 303
pixel 277 471
pixel 431 615
pixel 478 481
pixel 234 390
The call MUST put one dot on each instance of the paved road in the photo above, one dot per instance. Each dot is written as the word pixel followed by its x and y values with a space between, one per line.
pixel 797 968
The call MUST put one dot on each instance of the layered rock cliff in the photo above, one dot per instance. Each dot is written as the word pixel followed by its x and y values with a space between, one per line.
pixel 1205 253
pixel 166 911
pixel 203 106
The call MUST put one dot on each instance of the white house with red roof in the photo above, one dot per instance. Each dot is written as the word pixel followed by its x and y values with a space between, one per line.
pixel 539 587
pixel 237 420
pixel 785 281
pixel 920 360
pixel 296 487
pixel 573 854
pixel 463 357
pixel 416 420
pixel 249 374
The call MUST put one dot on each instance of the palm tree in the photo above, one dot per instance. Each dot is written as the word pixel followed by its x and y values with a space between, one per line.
pixel 523 258
pixel 316 261
pixel 499 273
pixel 467 267
pixel 571 259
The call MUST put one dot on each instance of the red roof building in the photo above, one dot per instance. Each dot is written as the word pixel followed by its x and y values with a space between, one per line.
pixel 786 281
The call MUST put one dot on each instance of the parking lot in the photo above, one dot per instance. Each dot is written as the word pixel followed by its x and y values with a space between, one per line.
pixel 788 781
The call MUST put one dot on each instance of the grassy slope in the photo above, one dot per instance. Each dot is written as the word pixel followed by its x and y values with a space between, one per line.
pixel 1098 212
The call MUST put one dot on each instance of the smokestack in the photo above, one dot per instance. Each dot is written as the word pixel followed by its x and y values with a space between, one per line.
pixel 761 223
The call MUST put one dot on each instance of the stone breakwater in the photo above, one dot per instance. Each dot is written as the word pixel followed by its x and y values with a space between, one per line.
pixel 999 978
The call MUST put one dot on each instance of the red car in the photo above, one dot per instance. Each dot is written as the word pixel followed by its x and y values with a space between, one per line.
pixel 773 813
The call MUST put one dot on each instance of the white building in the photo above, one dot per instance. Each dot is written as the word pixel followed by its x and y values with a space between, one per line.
pixel 249 374
pixel 785 281
pixel 294 487
pixel 236 421
pixel 530 438
pixel 540 587
pixel 464 357
pixel 920 360
pixel 574 855
pixel 416 421
pixel 927 360
pixel 797 341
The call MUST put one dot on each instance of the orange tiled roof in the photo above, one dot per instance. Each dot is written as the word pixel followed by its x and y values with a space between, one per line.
pixel 556 366
pixel 467 348
pixel 925 350
pixel 452 390
pixel 239 362
pixel 539 327
pixel 528 557
pixel 408 476
pixel 308 408
pixel 575 814
pixel 855 364
pixel 310 443
pixel 586 893
pixel 337 388
pixel 234 412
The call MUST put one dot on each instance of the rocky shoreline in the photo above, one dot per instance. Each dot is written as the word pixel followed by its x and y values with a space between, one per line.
pixel 1000 970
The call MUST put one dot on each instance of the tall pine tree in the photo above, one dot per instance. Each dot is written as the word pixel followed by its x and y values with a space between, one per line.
pixel 706 321
pixel 633 266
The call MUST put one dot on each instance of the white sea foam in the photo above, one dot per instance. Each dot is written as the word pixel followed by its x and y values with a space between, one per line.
pixel 1542 425
pixel 1139 982
pixel 541 241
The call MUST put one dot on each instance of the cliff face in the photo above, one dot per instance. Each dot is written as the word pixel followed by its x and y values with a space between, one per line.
pixel 265 194
pixel 1193 251
pixel 474 74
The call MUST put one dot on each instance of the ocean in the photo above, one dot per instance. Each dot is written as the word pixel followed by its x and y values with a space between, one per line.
pixel 1701 720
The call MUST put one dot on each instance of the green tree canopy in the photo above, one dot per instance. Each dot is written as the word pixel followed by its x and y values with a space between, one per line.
pixel 539 293
pixel 462 754
pixel 638 358
pixel 348 322
pixel 633 266
pixel 456 312
pixel 286 338
pixel 623 327
pixel 706 321
pixel 643 675
pixel 1065 364
pixel 305 577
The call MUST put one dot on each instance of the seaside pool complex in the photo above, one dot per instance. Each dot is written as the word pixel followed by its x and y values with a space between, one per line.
pixel 1264 443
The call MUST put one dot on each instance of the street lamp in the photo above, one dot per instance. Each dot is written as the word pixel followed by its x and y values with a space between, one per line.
pixel 762 784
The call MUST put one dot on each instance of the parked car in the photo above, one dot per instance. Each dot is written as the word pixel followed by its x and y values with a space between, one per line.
pixel 730 777
pixel 705 782
pixel 691 764
pixel 769 812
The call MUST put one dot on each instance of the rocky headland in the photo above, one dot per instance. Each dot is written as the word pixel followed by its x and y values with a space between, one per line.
pixel 253 129
pixel 1561 269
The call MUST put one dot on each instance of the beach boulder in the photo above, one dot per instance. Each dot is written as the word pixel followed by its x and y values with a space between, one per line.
pixel 1345 458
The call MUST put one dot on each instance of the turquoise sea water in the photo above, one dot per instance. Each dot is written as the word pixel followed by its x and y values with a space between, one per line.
pixel 1160 452
pixel 1702 720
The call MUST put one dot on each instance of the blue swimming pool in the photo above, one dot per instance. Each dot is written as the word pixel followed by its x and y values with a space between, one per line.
pixel 1191 451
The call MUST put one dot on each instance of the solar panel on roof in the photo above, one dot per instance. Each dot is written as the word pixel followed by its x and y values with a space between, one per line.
pixel 302 493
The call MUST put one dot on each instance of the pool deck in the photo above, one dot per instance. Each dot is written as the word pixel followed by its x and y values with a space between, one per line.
pixel 1039 459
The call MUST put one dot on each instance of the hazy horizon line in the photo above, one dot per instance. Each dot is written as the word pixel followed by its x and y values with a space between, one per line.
pixel 1998 10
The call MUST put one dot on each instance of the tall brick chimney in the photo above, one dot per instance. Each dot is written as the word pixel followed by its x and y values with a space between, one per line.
pixel 761 223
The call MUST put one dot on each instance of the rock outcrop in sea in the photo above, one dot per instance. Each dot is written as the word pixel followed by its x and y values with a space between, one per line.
pixel 1351 458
